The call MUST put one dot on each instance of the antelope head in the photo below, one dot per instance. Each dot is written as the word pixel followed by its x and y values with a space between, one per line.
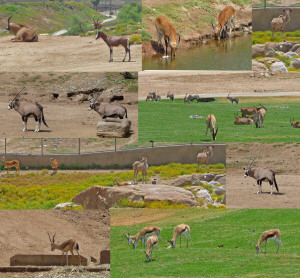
pixel 172 242
pixel 93 100
pixel 174 46
pixel 292 122
pixel 217 30
pixel 12 103
pixel 147 256
pixel 257 247
pixel 52 241
pixel 261 106
pixel 129 240
pixel 97 24
pixel 248 167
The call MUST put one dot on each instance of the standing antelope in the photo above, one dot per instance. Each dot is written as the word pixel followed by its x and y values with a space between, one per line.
pixel 171 96
pixel 140 166
pixel 260 175
pixel 233 99
pixel 148 97
pixel 211 124
pixel 273 234
pixel 97 24
pixel 10 164
pixel 204 156
pixel 260 116
pixel 54 165
pixel 166 29
pixel 226 19
pixel 278 23
pixel 151 243
pixel 249 111
pixel 124 183
pixel 22 33
pixel 65 247
pixel 114 41
pixel 295 124
pixel 178 231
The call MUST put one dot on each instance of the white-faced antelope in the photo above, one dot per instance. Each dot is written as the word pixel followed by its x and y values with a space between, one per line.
pixel 260 175
pixel 273 234
pixel 124 183
pixel 203 157
pixel 140 166
pixel 295 124
pixel 233 99
pixel 278 23
pixel 211 124
pixel 22 33
pixel 114 41
pixel 179 230
pixel 151 243
pixel 10 164
pixel 226 19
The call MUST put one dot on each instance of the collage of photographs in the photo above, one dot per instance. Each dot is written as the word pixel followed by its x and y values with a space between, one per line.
pixel 146 138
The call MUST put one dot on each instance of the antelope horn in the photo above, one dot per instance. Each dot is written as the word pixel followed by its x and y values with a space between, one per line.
pixel 213 27
pixel 8 21
pixel 94 20
pixel 252 243
pixel 253 160
pixel 19 93
pixel 49 237
pixel 54 237
pixel 178 41
pixel 98 18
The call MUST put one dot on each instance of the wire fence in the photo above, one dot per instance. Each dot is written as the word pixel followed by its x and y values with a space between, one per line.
pixel 275 3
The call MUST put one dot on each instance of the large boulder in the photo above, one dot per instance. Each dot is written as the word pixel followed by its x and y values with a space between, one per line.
pixel 112 127
pixel 295 63
pixel 258 50
pixel 194 179
pixel 290 54
pixel 219 190
pixel 285 46
pixel 278 67
pixel 204 194
pixel 296 48
pixel 257 66
pixel 268 60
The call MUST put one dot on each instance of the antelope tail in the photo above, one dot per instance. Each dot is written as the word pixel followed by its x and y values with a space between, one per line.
pixel 43 119
pixel 77 246
pixel 275 183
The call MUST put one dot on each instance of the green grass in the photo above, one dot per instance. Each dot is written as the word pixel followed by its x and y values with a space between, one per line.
pixel 262 37
pixel 234 229
pixel 169 122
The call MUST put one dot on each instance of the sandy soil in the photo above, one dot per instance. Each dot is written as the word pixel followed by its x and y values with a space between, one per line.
pixel 215 83
pixel 65 54
pixel 282 158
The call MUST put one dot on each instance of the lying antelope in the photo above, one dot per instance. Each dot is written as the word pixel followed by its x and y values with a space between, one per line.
pixel 97 24
pixel 28 109
pixel 260 175
pixel 124 183
pixel 140 166
pixel 243 120
pixel 211 124
pixel 54 165
pixel 226 19
pixel 22 33
pixel 166 29
pixel 233 99
pixel 179 230
pixel 204 156
pixel 151 243
pixel 278 23
pixel 295 124
pixel 114 41
pixel 10 164
pixel 273 234
pixel 171 96
pixel 67 246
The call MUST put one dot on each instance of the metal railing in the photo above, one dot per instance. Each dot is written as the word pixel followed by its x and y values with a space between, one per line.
pixel 275 3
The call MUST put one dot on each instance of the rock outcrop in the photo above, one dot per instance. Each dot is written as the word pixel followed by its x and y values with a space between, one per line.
pixel 112 127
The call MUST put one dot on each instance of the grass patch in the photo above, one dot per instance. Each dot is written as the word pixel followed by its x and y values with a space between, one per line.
pixel 262 37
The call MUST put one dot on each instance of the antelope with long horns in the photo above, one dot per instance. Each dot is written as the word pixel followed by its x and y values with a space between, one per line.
pixel 10 164
pixel 233 99
pixel 97 24
pixel 211 124
pixel 151 243
pixel 278 23
pixel 226 19
pixel 179 230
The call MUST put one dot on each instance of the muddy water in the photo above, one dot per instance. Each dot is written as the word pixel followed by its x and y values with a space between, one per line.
pixel 231 54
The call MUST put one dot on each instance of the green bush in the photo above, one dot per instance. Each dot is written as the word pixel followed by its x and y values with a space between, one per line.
pixel 130 13
pixel 135 39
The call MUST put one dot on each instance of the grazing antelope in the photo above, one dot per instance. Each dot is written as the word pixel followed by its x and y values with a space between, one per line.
pixel 28 109
pixel 140 166
pixel 22 33
pixel 273 234
pixel 226 19
pixel 149 97
pixel 278 23
pixel 260 175
pixel 124 183
pixel 295 124
pixel 151 243
pixel 166 29
pixel 204 156
pixel 243 120
pixel 211 124
pixel 114 41
pixel 54 165
pixel 10 164
pixel 67 246
pixel 153 94
pixel 97 24
pixel 233 99
pixel 158 97
pixel 171 96
pixel 260 117
pixel 178 231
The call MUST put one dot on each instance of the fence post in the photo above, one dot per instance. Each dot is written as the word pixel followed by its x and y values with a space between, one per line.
pixel 78 145
pixel 115 144
pixel 5 146
pixel 42 146
pixel 265 2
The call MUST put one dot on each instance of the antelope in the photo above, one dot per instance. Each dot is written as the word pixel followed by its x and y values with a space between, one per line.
pixel 22 33
pixel 149 97
pixel 233 99
pixel 211 124
pixel 260 175
pixel 114 41
pixel 65 247
pixel 10 164
pixel 140 166
pixel 249 110
pixel 153 94
pixel 273 234
pixel 166 29
pixel 141 235
pixel 151 243
pixel 278 23
pixel 124 183
pixel 54 165
pixel 243 120
pixel 158 97
pixel 171 96
pixel 28 109
pixel 178 231
pixel 295 124
pixel 260 117
pixel 204 156
pixel 97 24
pixel 226 19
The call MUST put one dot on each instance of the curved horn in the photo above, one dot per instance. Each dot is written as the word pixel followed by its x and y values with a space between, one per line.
pixel 54 237
pixel 178 41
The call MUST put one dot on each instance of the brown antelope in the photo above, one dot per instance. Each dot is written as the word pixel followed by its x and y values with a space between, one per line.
pixel 295 124
pixel 151 243
pixel 10 164
pixel 204 156
pixel 67 246
pixel 124 183
pixel 149 97
pixel 166 29
pixel 260 117
pixel 140 166
pixel 243 120
pixel 211 124
pixel 278 23
pixel 260 175
pixel 273 234
pixel 179 230
pixel 233 99
pixel 114 41
pixel 54 165
pixel 22 33
pixel 97 24
pixel 226 19
pixel 250 110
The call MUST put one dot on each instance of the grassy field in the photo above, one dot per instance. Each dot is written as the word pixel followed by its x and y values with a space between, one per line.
pixel 261 37
pixel 169 122
pixel 234 229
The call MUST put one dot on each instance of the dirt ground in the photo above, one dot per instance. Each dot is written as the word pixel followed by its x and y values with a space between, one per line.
pixel 215 83
pixel 65 54
pixel 282 158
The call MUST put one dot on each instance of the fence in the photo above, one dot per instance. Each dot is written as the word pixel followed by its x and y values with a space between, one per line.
pixel 275 3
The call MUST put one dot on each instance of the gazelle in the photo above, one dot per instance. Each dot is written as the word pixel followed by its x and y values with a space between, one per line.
pixel 124 183
pixel 295 124
pixel 233 99
pixel 54 165
pixel 273 234
pixel 22 33
pixel 151 243
pixel 97 24
pixel 10 164
pixel 65 247
pixel 166 29
pixel 226 19
pixel 211 124
pixel 278 23
pixel 260 175
pixel 204 156
pixel 179 230
pixel 140 166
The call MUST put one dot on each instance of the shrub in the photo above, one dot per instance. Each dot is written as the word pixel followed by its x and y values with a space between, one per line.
pixel 135 39
pixel 146 36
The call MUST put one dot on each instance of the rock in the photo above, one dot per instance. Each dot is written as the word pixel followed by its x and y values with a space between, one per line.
pixel 80 98
pixel 186 180
pixel 112 127
pixel 298 51
pixel 272 45
pixel 271 53
pixel 268 60
pixel 285 46
pixel 204 194
pixel 295 63
pixel 209 176
pixel 219 190
pixel 290 54
pixel 98 197
pixel 278 67
pixel 213 183
pixel 223 202
pixel 199 182
pixel 221 179
pixel 256 66
pixel 65 205
pixel 105 257
pixel 295 47
pixel 258 50
pixel 279 53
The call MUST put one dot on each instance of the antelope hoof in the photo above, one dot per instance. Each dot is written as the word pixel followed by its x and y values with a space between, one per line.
pixel 24 130
pixel 37 130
